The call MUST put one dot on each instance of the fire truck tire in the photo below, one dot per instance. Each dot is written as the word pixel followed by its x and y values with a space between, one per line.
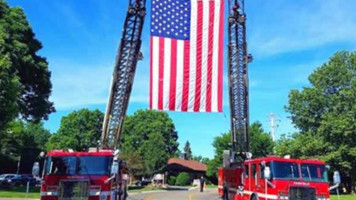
pixel 254 197
pixel 125 195
pixel 225 194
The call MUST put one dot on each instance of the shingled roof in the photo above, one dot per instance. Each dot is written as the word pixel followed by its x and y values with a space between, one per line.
pixel 191 164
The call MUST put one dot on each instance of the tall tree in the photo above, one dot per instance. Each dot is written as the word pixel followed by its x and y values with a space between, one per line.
pixel 21 140
pixel 261 143
pixel 152 135
pixel 79 130
pixel 25 84
pixel 325 113
pixel 188 151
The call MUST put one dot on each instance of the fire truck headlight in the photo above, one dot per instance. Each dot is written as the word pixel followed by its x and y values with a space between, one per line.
pixel 282 195
pixel 322 197
pixel 103 196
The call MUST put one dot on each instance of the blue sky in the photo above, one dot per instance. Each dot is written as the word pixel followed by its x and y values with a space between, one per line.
pixel 288 39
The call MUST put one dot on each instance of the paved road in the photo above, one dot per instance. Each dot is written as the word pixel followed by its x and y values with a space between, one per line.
pixel 211 194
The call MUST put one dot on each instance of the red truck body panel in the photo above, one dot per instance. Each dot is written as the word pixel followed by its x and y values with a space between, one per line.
pixel 239 183
pixel 97 187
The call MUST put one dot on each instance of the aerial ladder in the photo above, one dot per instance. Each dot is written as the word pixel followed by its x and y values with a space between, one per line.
pixel 123 76
pixel 238 80
pixel 238 59
pixel 112 183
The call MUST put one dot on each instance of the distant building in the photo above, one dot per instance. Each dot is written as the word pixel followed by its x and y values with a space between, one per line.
pixel 194 168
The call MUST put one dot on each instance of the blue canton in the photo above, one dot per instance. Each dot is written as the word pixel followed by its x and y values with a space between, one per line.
pixel 170 19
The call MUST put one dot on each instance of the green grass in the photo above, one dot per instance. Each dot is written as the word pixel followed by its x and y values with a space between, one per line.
pixel 19 192
pixel 143 189
pixel 343 197
pixel 211 186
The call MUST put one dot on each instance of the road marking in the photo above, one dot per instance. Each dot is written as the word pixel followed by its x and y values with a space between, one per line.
pixel 148 198
pixel 191 197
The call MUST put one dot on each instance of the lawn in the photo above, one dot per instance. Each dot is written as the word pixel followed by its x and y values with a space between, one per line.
pixel 343 197
pixel 20 191
pixel 143 189
pixel 211 186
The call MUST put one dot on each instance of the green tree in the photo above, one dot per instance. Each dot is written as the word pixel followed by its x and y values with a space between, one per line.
pixel 201 159
pixel 220 143
pixel 152 135
pixel 8 89
pixel 325 113
pixel 261 145
pixel 188 151
pixel 134 162
pixel 79 130
pixel 183 179
pixel 24 76
pixel 21 140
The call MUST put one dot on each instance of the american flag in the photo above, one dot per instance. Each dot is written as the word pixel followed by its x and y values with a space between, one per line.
pixel 186 59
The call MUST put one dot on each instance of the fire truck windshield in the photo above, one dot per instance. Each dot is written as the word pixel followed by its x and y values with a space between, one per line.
pixel 99 165
pixel 65 165
pixel 314 172
pixel 285 170
pixel 81 165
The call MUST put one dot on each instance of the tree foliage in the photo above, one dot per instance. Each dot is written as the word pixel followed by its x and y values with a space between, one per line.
pixel 183 179
pixel 25 84
pixel 23 140
pixel 325 113
pixel 152 135
pixel 78 130
pixel 201 159
pixel 188 151
pixel 261 143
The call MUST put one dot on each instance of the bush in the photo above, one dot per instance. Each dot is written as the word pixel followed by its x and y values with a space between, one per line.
pixel 172 180
pixel 183 179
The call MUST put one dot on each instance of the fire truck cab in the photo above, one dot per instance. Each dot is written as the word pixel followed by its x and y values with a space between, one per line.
pixel 275 178
pixel 96 175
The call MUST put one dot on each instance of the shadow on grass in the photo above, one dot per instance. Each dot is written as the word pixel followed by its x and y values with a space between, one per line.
pixel 19 188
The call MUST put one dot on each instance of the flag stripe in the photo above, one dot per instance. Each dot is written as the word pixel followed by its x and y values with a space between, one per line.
pixel 199 56
pixel 205 54
pixel 155 71
pixel 161 73
pixel 173 75
pixel 215 71
pixel 193 55
pixel 151 78
pixel 210 57
pixel 186 76
pixel 167 72
pixel 180 72
pixel 220 64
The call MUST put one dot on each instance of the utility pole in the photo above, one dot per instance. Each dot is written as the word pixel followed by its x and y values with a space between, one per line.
pixel 274 123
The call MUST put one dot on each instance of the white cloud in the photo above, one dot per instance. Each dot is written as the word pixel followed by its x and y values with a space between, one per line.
pixel 296 26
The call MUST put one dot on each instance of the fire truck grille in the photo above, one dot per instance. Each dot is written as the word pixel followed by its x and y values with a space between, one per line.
pixel 302 193
pixel 73 190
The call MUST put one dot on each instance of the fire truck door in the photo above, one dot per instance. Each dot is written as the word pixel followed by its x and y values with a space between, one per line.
pixel 261 179
pixel 254 178
pixel 247 181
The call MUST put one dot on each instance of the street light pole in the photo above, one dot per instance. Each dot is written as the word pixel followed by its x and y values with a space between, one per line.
pixel 18 165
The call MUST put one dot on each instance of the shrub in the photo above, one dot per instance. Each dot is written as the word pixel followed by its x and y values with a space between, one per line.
pixel 183 179
pixel 172 180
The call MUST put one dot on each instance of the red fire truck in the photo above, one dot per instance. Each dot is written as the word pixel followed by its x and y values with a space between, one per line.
pixel 99 173
pixel 275 178
pixel 241 177
pixel 83 175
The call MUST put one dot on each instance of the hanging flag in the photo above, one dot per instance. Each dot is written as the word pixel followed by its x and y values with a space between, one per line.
pixel 186 59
